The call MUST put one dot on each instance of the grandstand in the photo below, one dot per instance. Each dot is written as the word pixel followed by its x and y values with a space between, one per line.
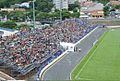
pixel 28 49
pixel 1 33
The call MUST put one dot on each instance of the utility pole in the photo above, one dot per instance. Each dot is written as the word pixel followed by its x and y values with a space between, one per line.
pixel 34 13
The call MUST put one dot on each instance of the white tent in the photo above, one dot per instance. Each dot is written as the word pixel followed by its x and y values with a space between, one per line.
pixel 68 46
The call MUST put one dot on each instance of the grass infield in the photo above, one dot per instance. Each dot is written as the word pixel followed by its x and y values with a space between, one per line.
pixel 103 61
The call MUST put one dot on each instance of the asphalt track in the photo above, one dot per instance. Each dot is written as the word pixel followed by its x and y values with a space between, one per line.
pixel 62 69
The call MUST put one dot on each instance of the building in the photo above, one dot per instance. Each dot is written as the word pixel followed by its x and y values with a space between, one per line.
pixel 7 9
pixel 12 9
pixel 87 4
pixel 72 1
pixel 115 2
pixel 93 9
pixel 97 14
pixel 61 4
pixel 82 0
pixel 117 12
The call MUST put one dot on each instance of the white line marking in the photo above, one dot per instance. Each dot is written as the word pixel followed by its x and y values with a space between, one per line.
pixel 87 52
pixel 88 59
pixel 86 79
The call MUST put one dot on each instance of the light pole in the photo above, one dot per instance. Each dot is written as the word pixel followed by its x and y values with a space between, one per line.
pixel 60 10
pixel 34 13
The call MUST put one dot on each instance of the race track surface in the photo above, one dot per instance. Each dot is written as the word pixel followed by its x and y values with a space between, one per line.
pixel 62 69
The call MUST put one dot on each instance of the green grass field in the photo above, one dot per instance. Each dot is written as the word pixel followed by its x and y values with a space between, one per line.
pixel 103 61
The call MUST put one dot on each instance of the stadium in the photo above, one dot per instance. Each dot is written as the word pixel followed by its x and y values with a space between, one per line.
pixel 73 49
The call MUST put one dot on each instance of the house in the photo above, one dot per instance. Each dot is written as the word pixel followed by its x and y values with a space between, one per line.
pixel 71 1
pixel 93 9
pixel 115 2
pixel 97 14
pixel 87 3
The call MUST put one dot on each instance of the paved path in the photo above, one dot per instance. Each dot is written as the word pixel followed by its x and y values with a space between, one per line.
pixel 62 69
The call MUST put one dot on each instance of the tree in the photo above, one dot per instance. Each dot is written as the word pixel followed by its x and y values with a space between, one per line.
pixel 9 24
pixel 42 15
pixel 117 7
pixel 1 24
pixel 2 3
pixel 73 6
pixel 43 5
pixel 3 13
pixel 17 16
pixel 75 10
pixel 75 15
pixel 8 3
pixel 65 14
pixel 24 26
pixel 106 10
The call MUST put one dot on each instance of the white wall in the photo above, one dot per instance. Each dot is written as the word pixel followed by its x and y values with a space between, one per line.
pixel 61 4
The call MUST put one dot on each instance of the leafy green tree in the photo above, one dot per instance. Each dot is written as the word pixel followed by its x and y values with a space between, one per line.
pixel 9 24
pixel 56 14
pixel 2 3
pixel 43 5
pixel 117 7
pixel 24 26
pixel 3 13
pixel 8 3
pixel 75 15
pixel 106 11
pixel 17 16
pixel 75 10
pixel 65 14
pixel 42 15
pixel 1 24
pixel 73 6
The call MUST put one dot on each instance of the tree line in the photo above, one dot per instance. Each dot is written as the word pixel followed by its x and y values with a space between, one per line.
pixel 43 10
pixel 41 5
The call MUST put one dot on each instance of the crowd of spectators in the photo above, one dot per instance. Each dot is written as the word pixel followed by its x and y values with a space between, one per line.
pixel 32 46
pixel 72 30
pixel 1 33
